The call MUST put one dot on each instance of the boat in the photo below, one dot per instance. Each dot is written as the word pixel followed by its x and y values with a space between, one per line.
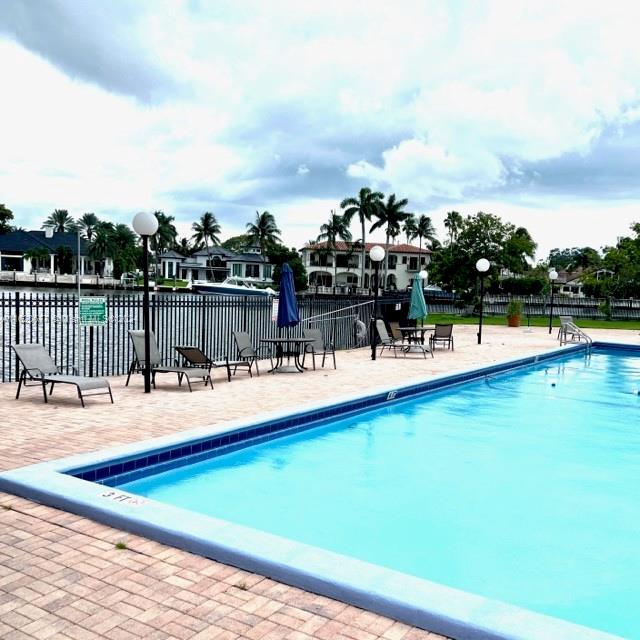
pixel 233 286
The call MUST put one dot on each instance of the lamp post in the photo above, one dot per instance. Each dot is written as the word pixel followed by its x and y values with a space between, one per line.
pixel 553 276
pixel 482 266
pixel 376 255
pixel 145 225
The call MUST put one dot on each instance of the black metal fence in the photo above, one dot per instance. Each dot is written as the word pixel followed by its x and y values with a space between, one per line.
pixel 596 308
pixel 176 319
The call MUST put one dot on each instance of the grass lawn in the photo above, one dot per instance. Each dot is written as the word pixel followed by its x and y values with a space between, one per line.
pixel 538 321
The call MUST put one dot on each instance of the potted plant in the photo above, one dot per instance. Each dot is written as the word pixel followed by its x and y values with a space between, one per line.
pixel 514 313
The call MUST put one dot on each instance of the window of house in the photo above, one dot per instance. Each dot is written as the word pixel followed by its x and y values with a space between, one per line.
pixel 267 269
pixel 236 270
pixel 413 263
pixel 404 259
pixel 252 271
pixel 170 274
pixel 423 260
pixel 393 261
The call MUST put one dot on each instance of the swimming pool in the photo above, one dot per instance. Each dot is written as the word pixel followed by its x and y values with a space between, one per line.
pixel 509 487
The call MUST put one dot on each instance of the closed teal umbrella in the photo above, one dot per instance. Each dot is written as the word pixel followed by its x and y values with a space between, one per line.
pixel 417 307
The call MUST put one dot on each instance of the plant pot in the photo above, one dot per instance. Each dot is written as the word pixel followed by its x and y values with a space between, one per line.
pixel 513 321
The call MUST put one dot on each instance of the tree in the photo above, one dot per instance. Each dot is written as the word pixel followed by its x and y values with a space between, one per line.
pixel 390 213
pixel 6 215
pixel 87 225
pixel 37 255
pixel 206 231
pixel 425 229
pixel 237 244
pixel 453 222
pixel 571 259
pixel 364 207
pixel 184 246
pixel 263 231
pixel 60 222
pixel 125 252
pixel 336 228
pixel 410 227
pixel 64 259
pixel 100 246
pixel 164 237
pixel 481 236
pixel 279 254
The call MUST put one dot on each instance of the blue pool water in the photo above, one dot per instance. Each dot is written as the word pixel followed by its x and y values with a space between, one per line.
pixel 523 487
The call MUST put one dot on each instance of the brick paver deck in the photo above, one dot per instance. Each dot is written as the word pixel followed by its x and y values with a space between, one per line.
pixel 63 576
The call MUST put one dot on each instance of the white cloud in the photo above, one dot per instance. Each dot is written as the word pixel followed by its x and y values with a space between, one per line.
pixel 436 102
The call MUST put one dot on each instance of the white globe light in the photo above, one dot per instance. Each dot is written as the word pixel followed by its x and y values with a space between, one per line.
pixel 483 265
pixel 553 274
pixel 423 275
pixel 145 224
pixel 376 253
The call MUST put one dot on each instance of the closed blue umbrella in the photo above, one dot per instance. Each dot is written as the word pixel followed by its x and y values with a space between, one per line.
pixel 288 314
pixel 417 306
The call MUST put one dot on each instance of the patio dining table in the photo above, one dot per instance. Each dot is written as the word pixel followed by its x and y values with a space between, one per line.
pixel 290 347
pixel 415 338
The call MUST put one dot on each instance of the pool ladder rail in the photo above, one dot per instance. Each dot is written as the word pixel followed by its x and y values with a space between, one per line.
pixel 570 332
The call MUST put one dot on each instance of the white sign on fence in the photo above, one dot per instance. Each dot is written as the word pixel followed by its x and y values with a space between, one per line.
pixel 274 310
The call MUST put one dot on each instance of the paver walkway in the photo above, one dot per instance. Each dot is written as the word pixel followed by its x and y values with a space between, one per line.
pixel 63 576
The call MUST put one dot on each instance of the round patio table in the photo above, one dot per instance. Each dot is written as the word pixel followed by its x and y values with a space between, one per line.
pixel 291 347
pixel 415 337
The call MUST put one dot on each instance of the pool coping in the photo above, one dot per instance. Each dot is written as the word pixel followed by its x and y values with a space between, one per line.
pixel 409 599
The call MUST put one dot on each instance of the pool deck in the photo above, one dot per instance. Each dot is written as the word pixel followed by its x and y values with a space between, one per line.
pixel 61 575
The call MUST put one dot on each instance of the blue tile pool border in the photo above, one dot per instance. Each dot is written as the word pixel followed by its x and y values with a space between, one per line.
pixel 82 484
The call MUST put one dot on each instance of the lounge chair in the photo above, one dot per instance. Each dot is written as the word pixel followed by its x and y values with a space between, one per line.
pixel 195 357
pixel 443 334
pixel 387 342
pixel 317 347
pixel 155 362
pixel 246 351
pixel 39 366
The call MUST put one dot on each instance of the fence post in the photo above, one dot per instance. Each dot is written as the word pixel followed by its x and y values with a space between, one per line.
pixel 203 323
pixel 16 339
pixel 91 351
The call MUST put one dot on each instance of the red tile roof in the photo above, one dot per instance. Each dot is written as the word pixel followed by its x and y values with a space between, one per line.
pixel 390 248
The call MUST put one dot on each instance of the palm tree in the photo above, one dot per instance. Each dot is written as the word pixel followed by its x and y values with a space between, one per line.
pixel 364 206
pixel 205 230
pixel 101 245
pixel 60 221
pixel 184 246
pixel 164 237
pixel 36 255
pixel 330 232
pixel 453 222
pixel 410 227
pixel 264 231
pixel 87 225
pixel 390 213
pixel 425 229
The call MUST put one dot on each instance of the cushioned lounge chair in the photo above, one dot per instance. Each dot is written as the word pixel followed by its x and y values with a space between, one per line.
pixel 195 357
pixel 443 334
pixel 247 352
pixel 39 366
pixel 318 347
pixel 387 342
pixel 155 362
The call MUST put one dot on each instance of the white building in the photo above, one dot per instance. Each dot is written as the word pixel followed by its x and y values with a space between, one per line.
pixel 342 269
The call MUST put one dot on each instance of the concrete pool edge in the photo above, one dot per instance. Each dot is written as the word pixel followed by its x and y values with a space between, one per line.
pixel 448 611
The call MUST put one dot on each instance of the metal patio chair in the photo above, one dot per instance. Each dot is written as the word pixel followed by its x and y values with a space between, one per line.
pixel 443 333
pixel 318 347
pixel 247 352
pixel 155 362
pixel 39 366
pixel 195 357
pixel 387 342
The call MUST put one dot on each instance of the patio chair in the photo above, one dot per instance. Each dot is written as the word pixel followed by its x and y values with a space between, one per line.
pixel 195 357
pixel 443 334
pixel 387 342
pixel 247 352
pixel 38 365
pixel 155 363
pixel 317 347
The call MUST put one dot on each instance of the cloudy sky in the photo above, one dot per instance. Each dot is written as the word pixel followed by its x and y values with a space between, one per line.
pixel 527 110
